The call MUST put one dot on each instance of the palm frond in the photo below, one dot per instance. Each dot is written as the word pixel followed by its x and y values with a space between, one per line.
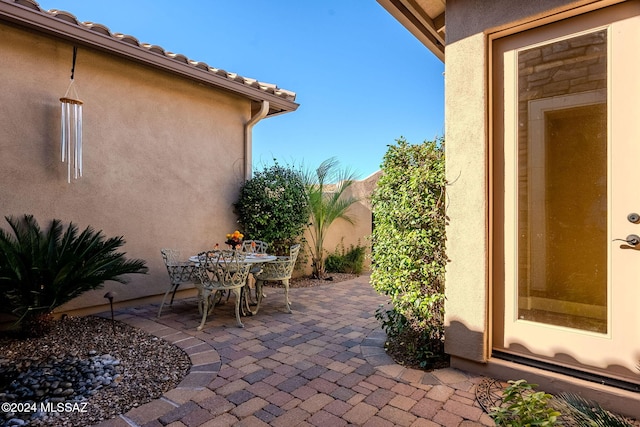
pixel 326 189
pixel 588 413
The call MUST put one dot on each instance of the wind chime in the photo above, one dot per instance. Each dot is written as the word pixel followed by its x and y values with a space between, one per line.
pixel 71 127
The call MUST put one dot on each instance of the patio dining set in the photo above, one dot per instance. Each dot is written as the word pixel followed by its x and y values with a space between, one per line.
pixel 217 274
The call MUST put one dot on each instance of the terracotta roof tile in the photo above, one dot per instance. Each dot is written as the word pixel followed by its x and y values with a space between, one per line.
pixel 29 3
pixel 178 57
pixel 65 16
pixel 98 28
pixel 127 39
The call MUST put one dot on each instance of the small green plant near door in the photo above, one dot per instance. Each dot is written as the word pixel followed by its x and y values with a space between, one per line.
pixel 522 406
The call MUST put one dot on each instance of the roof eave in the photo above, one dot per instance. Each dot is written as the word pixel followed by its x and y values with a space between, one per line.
pixel 29 17
pixel 429 30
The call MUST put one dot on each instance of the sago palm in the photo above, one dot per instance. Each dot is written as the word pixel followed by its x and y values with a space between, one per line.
pixel 40 271
pixel 326 187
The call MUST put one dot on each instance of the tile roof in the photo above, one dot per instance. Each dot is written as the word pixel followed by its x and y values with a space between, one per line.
pixel 66 25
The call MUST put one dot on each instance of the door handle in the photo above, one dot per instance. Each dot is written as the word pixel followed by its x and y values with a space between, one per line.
pixel 631 240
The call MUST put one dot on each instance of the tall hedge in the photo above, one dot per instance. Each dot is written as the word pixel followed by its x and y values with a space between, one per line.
pixel 408 254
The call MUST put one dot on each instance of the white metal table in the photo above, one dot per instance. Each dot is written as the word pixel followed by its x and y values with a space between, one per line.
pixel 243 295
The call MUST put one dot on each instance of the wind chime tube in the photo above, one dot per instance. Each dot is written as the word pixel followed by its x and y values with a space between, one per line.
pixel 63 134
pixel 79 121
pixel 69 142
pixel 71 136
pixel 75 148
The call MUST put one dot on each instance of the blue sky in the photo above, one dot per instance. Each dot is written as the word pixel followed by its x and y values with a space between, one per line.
pixel 361 79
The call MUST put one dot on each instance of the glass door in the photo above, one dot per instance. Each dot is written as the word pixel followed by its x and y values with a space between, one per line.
pixel 567 142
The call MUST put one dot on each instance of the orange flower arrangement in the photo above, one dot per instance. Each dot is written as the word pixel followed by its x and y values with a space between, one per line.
pixel 234 239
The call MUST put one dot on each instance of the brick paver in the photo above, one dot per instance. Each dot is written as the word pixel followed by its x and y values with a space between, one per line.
pixel 322 365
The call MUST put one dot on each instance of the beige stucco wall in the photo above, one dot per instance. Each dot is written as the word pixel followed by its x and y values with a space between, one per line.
pixel 466 165
pixel 163 156
pixel 468 23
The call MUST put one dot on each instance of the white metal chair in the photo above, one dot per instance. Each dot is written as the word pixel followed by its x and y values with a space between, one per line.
pixel 220 271
pixel 179 272
pixel 278 270
pixel 255 246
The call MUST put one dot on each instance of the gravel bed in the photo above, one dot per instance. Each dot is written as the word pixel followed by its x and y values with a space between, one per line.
pixel 99 375
pixel 82 364
pixel 307 282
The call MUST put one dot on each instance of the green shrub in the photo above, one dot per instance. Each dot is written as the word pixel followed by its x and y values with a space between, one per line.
pixel 408 239
pixel 393 323
pixel 334 263
pixel 273 207
pixel 521 405
pixel 40 271
pixel 408 345
pixel 343 261
pixel 524 407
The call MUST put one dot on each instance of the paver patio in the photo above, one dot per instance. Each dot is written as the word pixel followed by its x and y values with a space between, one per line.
pixel 323 365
